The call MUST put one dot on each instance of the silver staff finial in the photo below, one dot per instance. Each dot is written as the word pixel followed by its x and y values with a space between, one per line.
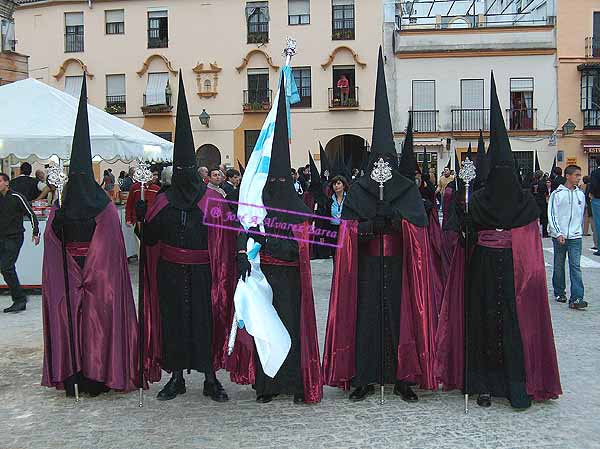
pixel 467 171
pixel 142 173
pixel 58 178
pixel 382 172
pixel 290 48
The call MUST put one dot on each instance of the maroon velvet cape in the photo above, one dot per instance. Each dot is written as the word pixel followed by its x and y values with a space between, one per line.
pixel 221 249
pixel 437 274
pixel 104 319
pixel 542 378
pixel 417 316
pixel 241 363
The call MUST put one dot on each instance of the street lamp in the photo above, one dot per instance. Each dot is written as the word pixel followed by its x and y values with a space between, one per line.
pixel 204 118
pixel 569 127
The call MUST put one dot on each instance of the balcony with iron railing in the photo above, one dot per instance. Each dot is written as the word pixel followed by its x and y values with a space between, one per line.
pixel 157 38
pixel 165 108
pixel 257 100
pixel 73 42
pixel 591 118
pixel 521 119
pixel 424 121
pixel 343 99
pixel 470 120
pixel 115 104
pixel 258 32
pixel 342 29
pixel 592 47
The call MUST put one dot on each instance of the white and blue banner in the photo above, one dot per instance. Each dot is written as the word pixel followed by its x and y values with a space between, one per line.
pixel 254 297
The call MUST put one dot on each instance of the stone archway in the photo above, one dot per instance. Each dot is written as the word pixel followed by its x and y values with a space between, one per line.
pixel 208 155
pixel 354 150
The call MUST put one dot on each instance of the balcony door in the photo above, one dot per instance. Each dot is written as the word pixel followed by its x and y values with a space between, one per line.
pixel 473 113
pixel 521 103
pixel 258 86
pixel 423 106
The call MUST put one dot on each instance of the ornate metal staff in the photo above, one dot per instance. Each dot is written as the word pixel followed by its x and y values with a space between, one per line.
pixel 381 173
pixel 58 178
pixel 288 52
pixel 467 174
pixel 143 175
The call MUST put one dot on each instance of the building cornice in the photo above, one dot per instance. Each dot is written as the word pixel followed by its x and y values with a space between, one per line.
pixel 482 30
pixel 475 53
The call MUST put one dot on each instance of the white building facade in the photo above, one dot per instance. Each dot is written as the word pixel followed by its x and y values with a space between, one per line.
pixel 439 71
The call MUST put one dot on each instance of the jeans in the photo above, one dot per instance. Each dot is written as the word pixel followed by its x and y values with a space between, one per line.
pixel 572 247
pixel 596 217
pixel 9 252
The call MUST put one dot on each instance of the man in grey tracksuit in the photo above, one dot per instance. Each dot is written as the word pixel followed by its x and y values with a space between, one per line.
pixel 565 224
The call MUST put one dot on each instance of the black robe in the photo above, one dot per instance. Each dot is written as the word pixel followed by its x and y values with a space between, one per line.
pixel 285 283
pixel 368 323
pixel 184 291
pixel 495 350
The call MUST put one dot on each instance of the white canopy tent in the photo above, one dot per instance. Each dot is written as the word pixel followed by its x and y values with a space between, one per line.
pixel 39 120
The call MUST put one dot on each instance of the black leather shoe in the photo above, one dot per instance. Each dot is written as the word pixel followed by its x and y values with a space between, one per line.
pixel 360 393
pixel 170 391
pixel 407 394
pixel 298 399
pixel 484 400
pixel 264 398
pixel 16 307
pixel 216 391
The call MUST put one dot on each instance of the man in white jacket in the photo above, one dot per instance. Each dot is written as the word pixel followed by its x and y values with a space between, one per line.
pixel 565 216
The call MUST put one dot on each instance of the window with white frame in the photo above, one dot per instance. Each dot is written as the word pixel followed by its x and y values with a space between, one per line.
pixel 257 19
pixel 342 25
pixel 73 85
pixel 156 90
pixel 303 83
pixel 73 32
pixel 115 94
pixel 298 12
pixel 472 116
pixel 423 111
pixel 158 29
pixel 115 21
pixel 521 114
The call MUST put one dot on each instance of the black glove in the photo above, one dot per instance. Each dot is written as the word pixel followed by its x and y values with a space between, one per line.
pixel 243 266
pixel 257 235
pixel 140 210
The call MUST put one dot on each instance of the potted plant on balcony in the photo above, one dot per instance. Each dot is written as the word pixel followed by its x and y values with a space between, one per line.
pixel 266 105
pixel 337 102
pixel 352 103
pixel 256 106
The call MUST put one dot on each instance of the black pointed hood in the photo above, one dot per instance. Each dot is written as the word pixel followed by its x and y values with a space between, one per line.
pixel 400 192
pixel 537 163
pixel 242 169
pixel 325 162
pixel 470 152
pixel 382 141
pixel 502 203
pixel 408 162
pixel 449 162
pixel 481 164
pixel 279 190
pixel 187 187
pixel 83 197
pixel 315 187
pixel 339 166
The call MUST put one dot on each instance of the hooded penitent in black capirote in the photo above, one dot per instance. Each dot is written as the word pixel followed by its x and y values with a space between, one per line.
pixel 285 281
pixel 184 290
pixel 496 362
pixel 358 263
pixel 187 186
pixel 502 203
pixel 400 192
pixel 101 300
